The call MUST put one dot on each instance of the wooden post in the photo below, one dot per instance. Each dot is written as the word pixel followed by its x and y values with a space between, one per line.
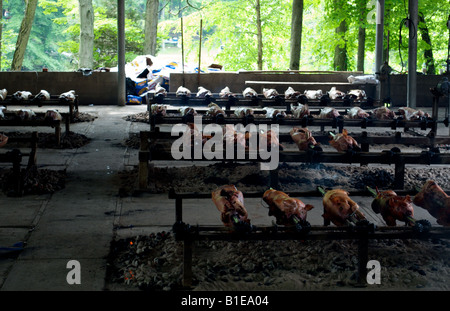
pixel 58 134
pixel 399 179
pixel 363 256
pixel 144 155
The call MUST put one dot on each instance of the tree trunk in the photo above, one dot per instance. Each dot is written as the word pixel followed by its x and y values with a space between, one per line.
pixel 361 36
pixel 151 26
pixel 259 34
pixel 24 34
pixel 361 48
pixel 340 52
pixel 86 50
pixel 428 52
pixel 296 34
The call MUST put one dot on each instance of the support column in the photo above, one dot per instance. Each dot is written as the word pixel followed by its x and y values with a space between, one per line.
pixel 412 52
pixel 379 43
pixel 121 88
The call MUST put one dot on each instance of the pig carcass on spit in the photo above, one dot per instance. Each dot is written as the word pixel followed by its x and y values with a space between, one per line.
pixel 41 96
pixel 357 113
pixel 291 94
pixel 313 94
pixel 182 91
pixel 68 96
pixel 357 94
pixel 303 138
pixel 214 110
pixel 274 113
pixel 270 93
pixel 343 142
pixel 335 94
pixel 26 114
pixel 393 207
pixel 159 90
pixel 411 114
pixel 157 109
pixel 232 137
pixel 328 113
pixel 53 114
pixel 3 139
pixel 340 209
pixel 230 203
pixel 225 92
pixel 21 95
pixel 383 113
pixel 3 93
pixel 202 92
pixel 432 198
pixel 287 211
pixel 242 112
pixel 187 111
pixel 272 139
pixel 249 92
pixel 299 110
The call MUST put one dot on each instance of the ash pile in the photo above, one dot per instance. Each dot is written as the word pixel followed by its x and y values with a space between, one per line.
pixel 154 263
pixel 34 180
pixel 292 177
pixel 69 140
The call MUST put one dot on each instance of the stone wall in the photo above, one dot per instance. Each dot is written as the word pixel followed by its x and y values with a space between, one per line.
pixel 99 88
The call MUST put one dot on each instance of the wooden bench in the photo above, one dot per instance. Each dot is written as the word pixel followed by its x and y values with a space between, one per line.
pixel 15 157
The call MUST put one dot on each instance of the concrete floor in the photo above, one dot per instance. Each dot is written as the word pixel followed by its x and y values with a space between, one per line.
pixel 80 221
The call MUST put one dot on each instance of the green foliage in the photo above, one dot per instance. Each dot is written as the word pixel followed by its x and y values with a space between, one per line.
pixel 229 32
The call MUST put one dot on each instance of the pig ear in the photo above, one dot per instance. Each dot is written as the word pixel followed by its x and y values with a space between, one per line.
pixel 309 207
pixel 408 198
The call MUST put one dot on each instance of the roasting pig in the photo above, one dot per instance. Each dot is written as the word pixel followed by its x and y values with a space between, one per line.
pixel 202 92
pixel 357 113
pixel 303 138
pixel 225 92
pixel 272 139
pixel 26 114
pixel 299 110
pixel 328 113
pixel 3 139
pixel 53 114
pixel 249 92
pixel 383 113
pixel 273 113
pixel 187 111
pixel 157 109
pixel 411 114
pixel 432 198
pixel 393 207
pixel 313 94
pixel 343 142
pixel 3 94
pixel 22 95
pixel 182 91
pixel 233 137
pixel 214 110
pixel 42 95
pixel 270 93
pixel 159 90
pixel 291 94
pixel 68 96
pixel 230 203
pixel 287 211
pixel 242 112
pixel 334 93
pixel 340 209
pixel 357 94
